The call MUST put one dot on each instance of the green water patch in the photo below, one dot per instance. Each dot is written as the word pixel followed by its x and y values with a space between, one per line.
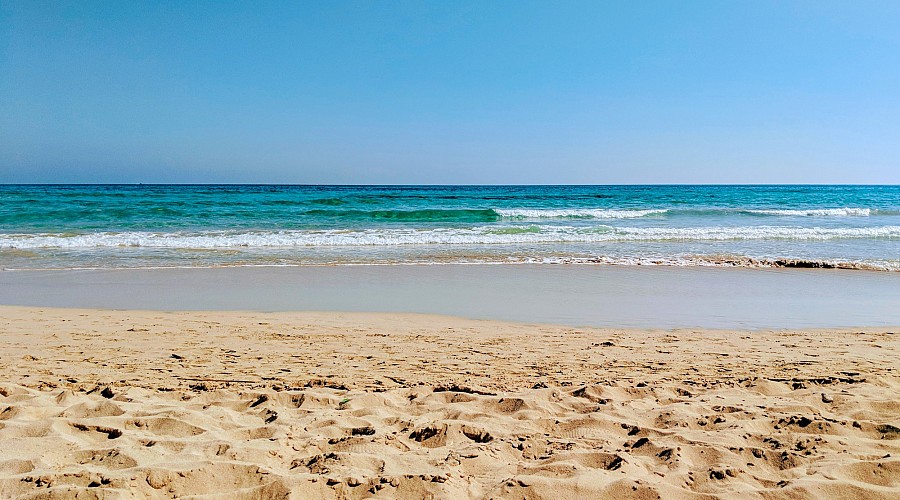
pixel 515 230
pixel 328 202
pixel 428 215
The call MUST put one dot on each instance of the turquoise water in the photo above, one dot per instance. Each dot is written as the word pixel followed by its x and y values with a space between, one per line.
pixel 99 226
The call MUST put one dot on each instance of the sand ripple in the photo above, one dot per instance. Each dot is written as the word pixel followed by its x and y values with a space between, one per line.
pixel 466 410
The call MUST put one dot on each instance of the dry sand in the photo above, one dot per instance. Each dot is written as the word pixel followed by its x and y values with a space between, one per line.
pixel 309 405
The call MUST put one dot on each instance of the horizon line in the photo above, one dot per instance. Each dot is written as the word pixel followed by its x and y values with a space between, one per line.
pixel 425 185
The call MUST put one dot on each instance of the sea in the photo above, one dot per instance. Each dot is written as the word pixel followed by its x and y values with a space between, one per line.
pixel 200 226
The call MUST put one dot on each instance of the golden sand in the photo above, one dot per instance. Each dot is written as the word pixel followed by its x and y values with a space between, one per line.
pixel 100 404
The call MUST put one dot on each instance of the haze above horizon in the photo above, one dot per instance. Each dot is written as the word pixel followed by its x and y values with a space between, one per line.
pixel 450 92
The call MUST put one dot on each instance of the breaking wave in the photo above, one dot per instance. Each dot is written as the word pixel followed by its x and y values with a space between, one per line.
pixel 817 212
pixel 481 235
pixel 575 213
pixel 482 215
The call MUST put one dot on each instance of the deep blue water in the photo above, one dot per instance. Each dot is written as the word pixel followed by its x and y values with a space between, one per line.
pixel 111 226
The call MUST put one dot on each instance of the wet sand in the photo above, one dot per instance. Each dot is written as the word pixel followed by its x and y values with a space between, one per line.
pixel 595 295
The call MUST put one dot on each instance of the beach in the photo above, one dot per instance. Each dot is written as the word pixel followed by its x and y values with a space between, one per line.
pixel 449 250
pixel 256 341
pixel 102 403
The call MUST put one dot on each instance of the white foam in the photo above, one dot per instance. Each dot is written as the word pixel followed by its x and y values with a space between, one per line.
pixel 524 213
pixel 717 261
pixel 821 212
pixel 483 235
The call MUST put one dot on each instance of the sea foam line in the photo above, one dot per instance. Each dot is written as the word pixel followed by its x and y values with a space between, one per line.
pixel 815 212
pixel 482 235
pixel 728 261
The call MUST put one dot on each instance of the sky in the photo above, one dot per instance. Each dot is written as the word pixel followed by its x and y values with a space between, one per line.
pixel 450 92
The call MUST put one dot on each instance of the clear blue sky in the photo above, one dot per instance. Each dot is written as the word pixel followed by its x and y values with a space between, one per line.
pixel 452 92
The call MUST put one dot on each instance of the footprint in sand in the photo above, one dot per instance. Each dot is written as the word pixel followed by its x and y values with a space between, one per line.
pixel 92 410
pixel 239 480
pixel 98 431
pixel 164 426
pixel 15 467
pixel 108 458
pixel 882 473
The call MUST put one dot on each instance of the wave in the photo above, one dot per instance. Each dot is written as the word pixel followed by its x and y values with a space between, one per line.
pixel 482 235
pixel 815 212
pixel 497 214
pixel 588 213
pixel 482 215
pixel 425 215
pixel 575 213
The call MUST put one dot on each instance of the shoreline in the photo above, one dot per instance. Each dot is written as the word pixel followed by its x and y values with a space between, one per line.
pixel 354 405
pixel 694 262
